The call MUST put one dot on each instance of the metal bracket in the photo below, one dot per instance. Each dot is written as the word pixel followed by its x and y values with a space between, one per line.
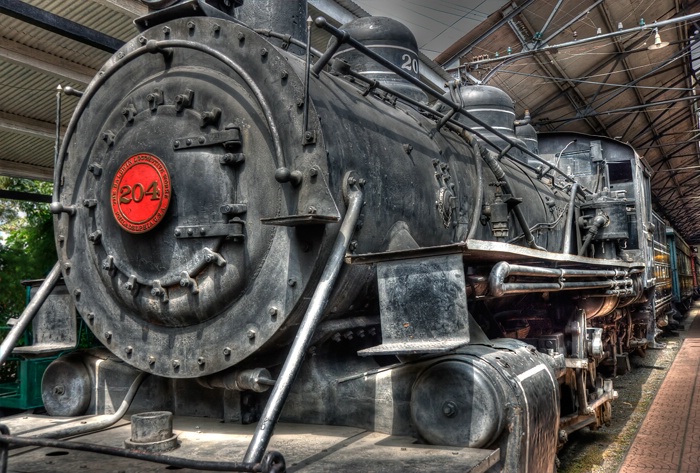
pixel 315 204
pixel 233 229
pixel 228 138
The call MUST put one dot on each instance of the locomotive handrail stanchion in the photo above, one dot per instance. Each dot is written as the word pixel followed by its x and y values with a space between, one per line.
pixel 273 408
pixel 285 37
pixel 29 312
pixel 307 73
pixel 566 244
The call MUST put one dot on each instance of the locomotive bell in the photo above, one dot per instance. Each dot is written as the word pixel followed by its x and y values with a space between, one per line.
pixel 391 40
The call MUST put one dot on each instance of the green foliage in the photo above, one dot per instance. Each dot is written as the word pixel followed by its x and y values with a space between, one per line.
pixel 27 249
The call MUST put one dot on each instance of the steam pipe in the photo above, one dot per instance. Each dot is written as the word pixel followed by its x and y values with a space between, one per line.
pixel 501 176
pixel 273 408
pixel 479 182
pixel 598 222
pixel 501 271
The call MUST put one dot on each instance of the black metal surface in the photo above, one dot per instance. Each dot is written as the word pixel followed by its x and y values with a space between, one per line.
pixel 59 25
pixel 340 34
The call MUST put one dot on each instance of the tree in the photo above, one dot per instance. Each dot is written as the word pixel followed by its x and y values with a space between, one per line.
pixel 27 249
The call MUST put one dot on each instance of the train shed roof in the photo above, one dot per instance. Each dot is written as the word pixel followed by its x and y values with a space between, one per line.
pixel 593 66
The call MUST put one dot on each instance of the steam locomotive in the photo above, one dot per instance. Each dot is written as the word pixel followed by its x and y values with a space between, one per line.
pixel 279 235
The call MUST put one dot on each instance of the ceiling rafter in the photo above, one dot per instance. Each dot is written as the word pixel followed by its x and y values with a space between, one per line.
pixel 27 126
pixel 40 61
pixel 551 67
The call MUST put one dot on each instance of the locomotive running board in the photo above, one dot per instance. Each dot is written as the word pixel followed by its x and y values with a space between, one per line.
pixel 484 252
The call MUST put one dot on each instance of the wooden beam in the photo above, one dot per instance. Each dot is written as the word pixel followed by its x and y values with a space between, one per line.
pixel 130 8
pixel 22 55
pixel 28 126
pixel 26 171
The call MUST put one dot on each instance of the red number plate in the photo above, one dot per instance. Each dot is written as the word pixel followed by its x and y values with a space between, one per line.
pixel 140 193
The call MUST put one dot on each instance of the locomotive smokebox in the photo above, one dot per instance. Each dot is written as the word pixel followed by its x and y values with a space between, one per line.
pixel 173 156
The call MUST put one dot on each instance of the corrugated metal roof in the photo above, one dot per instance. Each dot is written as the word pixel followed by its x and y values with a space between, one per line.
pixel 604 87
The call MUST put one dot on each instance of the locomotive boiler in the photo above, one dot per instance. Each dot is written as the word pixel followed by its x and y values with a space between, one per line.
pixel 277 234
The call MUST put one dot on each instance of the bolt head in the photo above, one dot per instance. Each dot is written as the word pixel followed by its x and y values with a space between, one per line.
pixel 151 360
pixel 449 409
pixel 200 360
pixel 227 351
pixel 251 333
